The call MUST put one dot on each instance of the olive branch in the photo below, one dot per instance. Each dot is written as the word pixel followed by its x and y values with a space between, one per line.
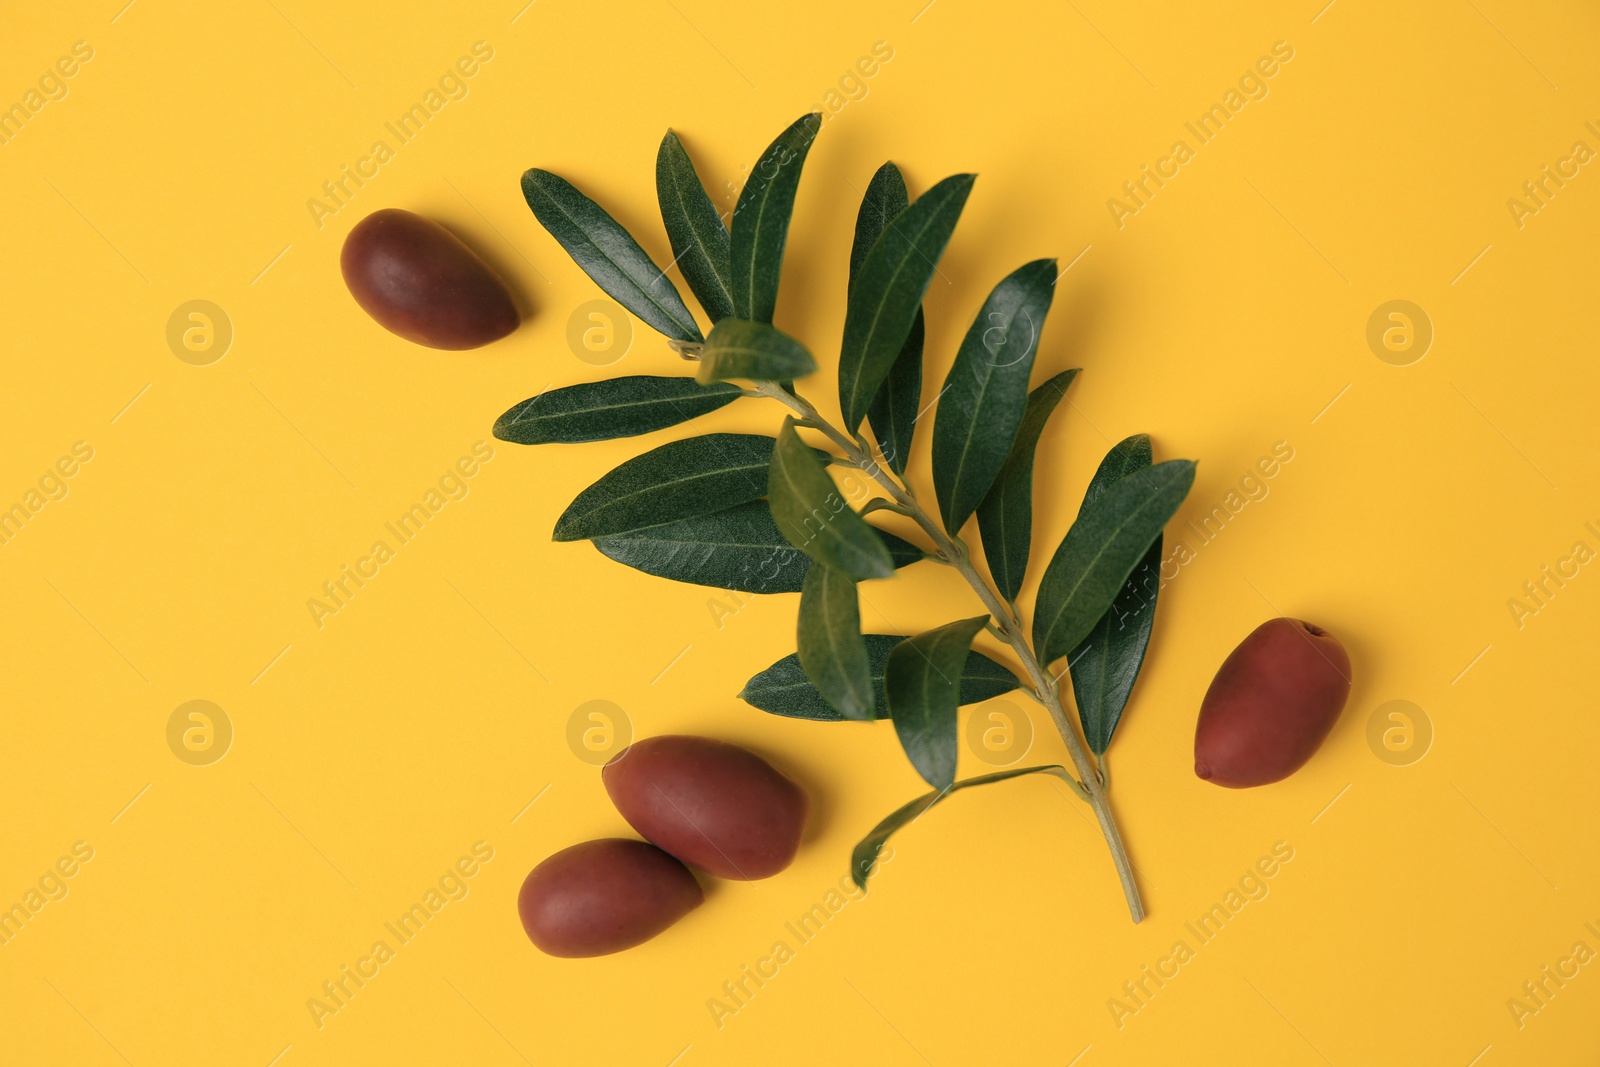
pixel 762 514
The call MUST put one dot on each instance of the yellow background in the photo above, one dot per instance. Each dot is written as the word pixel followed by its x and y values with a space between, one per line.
pixel 425 716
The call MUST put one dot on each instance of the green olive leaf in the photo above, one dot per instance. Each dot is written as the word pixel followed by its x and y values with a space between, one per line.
pixel 864 858
pixel 1106 664
pixel 761 219
pixel 608 254
pixel 740 348
pixel 923 686
pixel 888 292
pixel 738 548
pixel 699 238
pixel 886 197
pixel 606 410
pixel 893 412
pixel 830 645
pixel 986 391
pixel 784 689
pixel 894 409
pixel 1090 566
pixel 679 480
pixel 1005 518
pixel 815 517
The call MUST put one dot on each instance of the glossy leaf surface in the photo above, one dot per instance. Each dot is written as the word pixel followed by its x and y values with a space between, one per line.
pixel 609 409
pixel 608 254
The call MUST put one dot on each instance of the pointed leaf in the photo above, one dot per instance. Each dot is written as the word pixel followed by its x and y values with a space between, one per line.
pixel 986 391
pixel 815 518
pixel 1125 457
pixel 784 689
pixel 923 686
pixel 885 198
pixel 1105 665
pixel 830 645
pixel 740 348
pixel 676 481
pixel 605 410
pixel 1005 518
pixel 699 238
pixel 738 548
pixel 608 253
pixel 761 219
pixel 888 291
pixel 864 858
pixel 893 412
pixel 894 409
pixel 1111 535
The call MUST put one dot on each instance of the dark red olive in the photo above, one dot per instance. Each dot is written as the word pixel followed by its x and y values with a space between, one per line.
pixel 1271 705
pixel 604 896
pixel 419 281
pixel 715 806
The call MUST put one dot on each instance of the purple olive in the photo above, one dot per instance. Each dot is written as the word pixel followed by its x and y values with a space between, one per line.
pixel 604 896
pixel 1271 705
pixel 419 281
pixel 715 806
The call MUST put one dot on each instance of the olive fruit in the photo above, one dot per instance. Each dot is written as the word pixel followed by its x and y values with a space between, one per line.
pixel 604 896
pixel 1271 705
pixel 418 280
pixel 714 805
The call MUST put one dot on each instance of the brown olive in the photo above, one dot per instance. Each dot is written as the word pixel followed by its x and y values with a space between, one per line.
pixel 715 806
pixel 418 280
pixel 1271 705
pixel 604 896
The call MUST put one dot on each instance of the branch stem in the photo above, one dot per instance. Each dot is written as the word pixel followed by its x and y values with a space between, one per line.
pixel 1044 688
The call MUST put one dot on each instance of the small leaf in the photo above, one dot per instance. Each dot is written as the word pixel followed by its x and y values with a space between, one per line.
pixel 699 238
pixel 605 410
pixel 885 198
pixel 864 858
pixel 987 389
pixel 784 689
pixel 895 407
pixel 893 412
pixel 1124 458
pixel 1111 535
pixel 1105 665
pixel 608 254
pixel 1005 518
pixel 761 219
pixel 676 481
pixel 738 548
pixel 831 648
pixel 815 518
pixel 1107 662
pixel 888 292
pixel 740 348
pixel 923 686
